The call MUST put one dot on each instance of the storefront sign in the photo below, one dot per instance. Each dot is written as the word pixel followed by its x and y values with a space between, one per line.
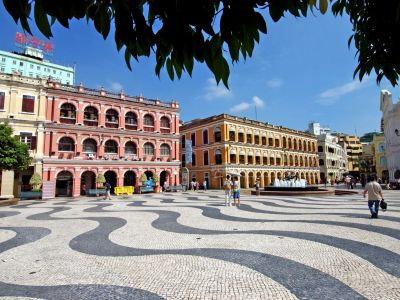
pixel 28 40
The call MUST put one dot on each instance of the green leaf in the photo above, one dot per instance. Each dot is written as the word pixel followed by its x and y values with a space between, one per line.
pixel 128 59
pixel 41 19
pixel 170 69
pixel 323 6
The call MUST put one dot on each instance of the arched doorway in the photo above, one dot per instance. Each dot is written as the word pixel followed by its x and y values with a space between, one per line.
pixel 111 178
pixel 266 179
pixel 149 174
pixel 242 180
pixel 88 181
pixel 279 175
pixel 165 177
pixel 130 178
pixel 272 178
pixel 258 175
pixel 64 184
pixel 251 179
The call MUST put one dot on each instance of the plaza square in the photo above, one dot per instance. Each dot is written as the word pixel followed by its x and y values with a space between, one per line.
pixel 191 246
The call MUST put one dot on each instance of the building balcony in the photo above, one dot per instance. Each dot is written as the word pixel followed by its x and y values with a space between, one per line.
pixel 67 120
pixel 91 122
pixel 111 124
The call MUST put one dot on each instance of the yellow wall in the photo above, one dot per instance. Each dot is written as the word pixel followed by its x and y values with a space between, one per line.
pixel 14 87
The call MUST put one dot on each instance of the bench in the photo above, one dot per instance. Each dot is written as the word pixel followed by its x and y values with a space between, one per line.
pixel 175 188
pixel 30 195
pixel 95 192
pixel 146 189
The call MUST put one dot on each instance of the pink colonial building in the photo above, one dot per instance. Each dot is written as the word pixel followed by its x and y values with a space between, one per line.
pixel 91 131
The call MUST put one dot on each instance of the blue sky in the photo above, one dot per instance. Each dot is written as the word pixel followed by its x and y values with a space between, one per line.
pixel 300 72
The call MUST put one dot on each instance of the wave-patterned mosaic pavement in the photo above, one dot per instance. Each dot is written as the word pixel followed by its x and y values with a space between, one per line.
pixel 191 246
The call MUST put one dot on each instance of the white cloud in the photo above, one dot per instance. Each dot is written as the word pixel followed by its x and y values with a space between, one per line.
pixel 331 96
pixel 275 83
pixel 240 107
pixel 258 102
pixel 115 86
pixel 216 91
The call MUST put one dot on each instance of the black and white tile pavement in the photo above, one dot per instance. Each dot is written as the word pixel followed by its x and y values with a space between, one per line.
pixel 190 246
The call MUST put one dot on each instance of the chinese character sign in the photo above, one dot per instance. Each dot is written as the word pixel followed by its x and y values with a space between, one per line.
pixel 188 152
pixel 26 40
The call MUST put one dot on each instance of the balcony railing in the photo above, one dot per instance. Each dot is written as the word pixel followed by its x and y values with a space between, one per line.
pixel 67 120
pixel 89 122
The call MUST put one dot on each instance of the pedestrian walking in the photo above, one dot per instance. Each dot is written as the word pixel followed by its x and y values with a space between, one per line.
pixel 228 190
pixel 197 185
pixel 374 191
pixel 205 185
pixel 107 185
pixel 257 188
pixel 236 192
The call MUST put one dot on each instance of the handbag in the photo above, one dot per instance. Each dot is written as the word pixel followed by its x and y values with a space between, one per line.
pixel 383 205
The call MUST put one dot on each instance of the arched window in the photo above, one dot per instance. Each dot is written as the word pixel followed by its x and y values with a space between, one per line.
pixel 289 143
pixel 148 123
pixel 130 148
pixel 321 162
pixel 284 142
pixel 111 146
pixel 301 161
pixel 67 113
pixel 165 126
pixel 66 144
pixel 91 116
pixel 89 146
pixel 296 161
pixel 112 118
pixel 131 121
pixel 290 160
pixel 165 150
pixel 218 157
pixel 217 134
pixel 148 149
pixel 256 139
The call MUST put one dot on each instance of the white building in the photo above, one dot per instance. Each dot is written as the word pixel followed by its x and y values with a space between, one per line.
pixel 31 63
pixel 315 128
pixel 391 126
pixel 332 156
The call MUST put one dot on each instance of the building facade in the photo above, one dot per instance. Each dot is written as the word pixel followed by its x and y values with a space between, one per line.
pixel 226 144
pixel 88 132
pixel 353 148
pixel 22 106
pixel 332 158
pixel 31 63
pixel 380 161
pixel 391 126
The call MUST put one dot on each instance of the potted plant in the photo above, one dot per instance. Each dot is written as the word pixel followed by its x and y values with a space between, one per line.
pixel 156 180
pixel 35 182
pixel 100 180
pixel 143 179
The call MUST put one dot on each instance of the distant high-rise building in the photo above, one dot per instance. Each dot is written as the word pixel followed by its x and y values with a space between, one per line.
pixel 315 128
pixel 31 63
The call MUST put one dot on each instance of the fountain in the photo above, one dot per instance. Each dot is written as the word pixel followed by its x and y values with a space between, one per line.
pixel 294 186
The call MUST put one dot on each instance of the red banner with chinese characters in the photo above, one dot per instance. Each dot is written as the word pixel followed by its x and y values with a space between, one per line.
pixel 28 40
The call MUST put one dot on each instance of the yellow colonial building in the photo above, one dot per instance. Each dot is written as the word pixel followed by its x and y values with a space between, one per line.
pixel 227 144
pixel 380 161
pixel 22 106
pixel 354 150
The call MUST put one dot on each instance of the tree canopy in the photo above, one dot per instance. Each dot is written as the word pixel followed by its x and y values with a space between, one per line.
pixel 180 32
pixel 14 155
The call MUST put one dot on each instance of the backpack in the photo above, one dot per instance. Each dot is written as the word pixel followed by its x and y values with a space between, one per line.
pixel 227 185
